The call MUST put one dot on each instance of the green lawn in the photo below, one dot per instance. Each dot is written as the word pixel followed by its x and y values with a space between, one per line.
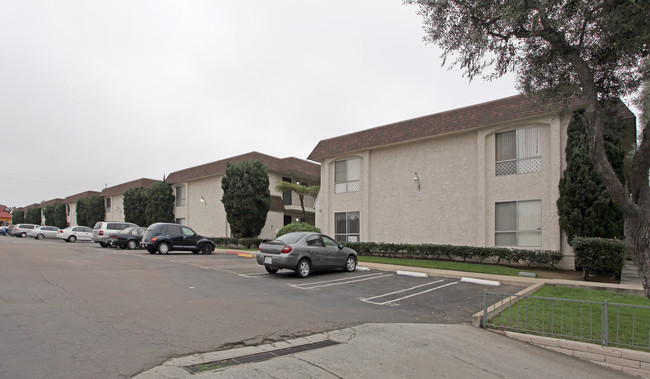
pixel 626 326
pixel 445 265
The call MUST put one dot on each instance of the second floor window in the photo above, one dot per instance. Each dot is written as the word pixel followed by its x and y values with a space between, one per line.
pixel 108 204
pixel 519 151
pixel 180 196
pixel 347 175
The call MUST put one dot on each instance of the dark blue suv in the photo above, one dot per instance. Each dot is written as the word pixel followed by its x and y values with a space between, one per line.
pixel 163 238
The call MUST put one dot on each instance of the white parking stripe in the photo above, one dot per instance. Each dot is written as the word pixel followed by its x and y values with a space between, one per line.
pixel 336 280
pixel 404 290
pixel 411 295
pixel 302 286
pixel 254 275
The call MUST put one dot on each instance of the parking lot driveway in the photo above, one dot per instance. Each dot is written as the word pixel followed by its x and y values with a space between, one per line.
pixel 79 310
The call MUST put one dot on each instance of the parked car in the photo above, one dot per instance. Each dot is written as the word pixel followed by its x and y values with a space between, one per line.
pixel 42 232
pixel 304 251
pixel 127 238
pixel 163 237
pixel 10 229
pixel 103 228
pixel 21 230
pixel 75 233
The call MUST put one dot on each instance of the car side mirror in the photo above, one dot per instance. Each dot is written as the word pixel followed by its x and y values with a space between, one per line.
pixel 340 247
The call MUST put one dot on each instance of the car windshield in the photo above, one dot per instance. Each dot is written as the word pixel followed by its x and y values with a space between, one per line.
pixel 290 238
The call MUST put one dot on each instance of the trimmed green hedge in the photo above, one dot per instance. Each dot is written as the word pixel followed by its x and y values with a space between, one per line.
pixel 599 255
pixel 450 252
pixel 297 227
pixel 242 243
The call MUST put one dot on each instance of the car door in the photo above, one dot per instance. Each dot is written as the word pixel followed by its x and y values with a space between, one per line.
pixel 50 231
pixel 82 233
pixel 190 238
pixel 317 251
pixel 335 255
pixel 175 235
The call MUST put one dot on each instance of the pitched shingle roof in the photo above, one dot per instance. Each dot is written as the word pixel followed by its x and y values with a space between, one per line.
pixel 51 202
pixel 493 112
pixel 82 195
pixel 291 166
pixel 121 188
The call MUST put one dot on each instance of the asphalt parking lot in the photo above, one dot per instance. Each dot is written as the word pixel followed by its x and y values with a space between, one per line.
pixel 79 310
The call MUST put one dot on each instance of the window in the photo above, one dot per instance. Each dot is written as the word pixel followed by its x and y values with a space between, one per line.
pixel 187 232
pixel 180 221
pixel 286 196
pixel 519 151
pixel 346 228
pixel 518 223
pixel 108 204
pixel 347 175
pixel 315 241
pixel 180 196
pixel 67 209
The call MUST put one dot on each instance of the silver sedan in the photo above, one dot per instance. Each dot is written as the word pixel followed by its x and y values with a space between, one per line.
pixel 302 251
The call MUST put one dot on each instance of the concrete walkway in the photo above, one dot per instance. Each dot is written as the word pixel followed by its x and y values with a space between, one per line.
pixel 398 350
pixel 392 351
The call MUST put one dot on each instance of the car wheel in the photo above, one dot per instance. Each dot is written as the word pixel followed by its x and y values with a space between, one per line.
pixel 40 236
pixel 72 238
pixel 163 248
pixel 270 269
pixel 132 244
pixel 207 249
pixel 23 235
pixel 350 264
pixel 303 269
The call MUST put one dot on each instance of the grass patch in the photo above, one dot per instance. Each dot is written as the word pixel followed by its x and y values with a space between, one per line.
pixel 203 367
pixel 444 265
pixel 557 313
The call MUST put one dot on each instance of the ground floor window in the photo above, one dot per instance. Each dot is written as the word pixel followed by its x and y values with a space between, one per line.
pixel 518 223
pixel 180 221
pixel 346 227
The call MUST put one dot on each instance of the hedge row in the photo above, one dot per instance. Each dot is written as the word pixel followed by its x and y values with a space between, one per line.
pixel 466 253
pixel 242 243
pixel 599 255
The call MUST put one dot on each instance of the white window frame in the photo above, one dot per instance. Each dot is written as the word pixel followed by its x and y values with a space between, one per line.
pixel 527 152
pixel 520 233
pixel 181 200
pixel 349 235
pixel 351 170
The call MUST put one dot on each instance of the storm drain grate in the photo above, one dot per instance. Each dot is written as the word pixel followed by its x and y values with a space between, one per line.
pixel 259 357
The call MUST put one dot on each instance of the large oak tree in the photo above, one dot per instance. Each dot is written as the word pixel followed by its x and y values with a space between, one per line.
pixel 591 51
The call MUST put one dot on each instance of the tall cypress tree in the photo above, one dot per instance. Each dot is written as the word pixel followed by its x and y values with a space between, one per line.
pixel 246 197
pixel 584 206
pixel 160 203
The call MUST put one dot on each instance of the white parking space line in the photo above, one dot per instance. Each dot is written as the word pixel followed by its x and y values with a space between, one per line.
pixel 368 300
pixel 254 276
pixel 339 282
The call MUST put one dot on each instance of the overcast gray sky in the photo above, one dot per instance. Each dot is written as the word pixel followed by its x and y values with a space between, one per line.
pixel 96 93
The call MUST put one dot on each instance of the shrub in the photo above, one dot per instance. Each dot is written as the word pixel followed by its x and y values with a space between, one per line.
pixel 599 255
pixel 297 227
pixel 466 253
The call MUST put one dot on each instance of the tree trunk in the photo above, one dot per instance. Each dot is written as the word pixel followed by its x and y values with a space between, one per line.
pixel 302 205
pixel 637 241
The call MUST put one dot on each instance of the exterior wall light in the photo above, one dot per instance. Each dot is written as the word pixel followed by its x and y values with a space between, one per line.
pixel 416 179
pixel 203 201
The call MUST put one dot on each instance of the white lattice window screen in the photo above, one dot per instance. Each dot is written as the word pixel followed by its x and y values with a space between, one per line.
pixel 347 175
pixel 519 151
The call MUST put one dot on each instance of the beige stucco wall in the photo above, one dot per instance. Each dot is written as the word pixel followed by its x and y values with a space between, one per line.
pixel 209 217
pixel 72 216
pixel 458 193
pixel 116 212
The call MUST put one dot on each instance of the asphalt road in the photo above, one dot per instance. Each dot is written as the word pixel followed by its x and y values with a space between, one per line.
pixel 79 310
